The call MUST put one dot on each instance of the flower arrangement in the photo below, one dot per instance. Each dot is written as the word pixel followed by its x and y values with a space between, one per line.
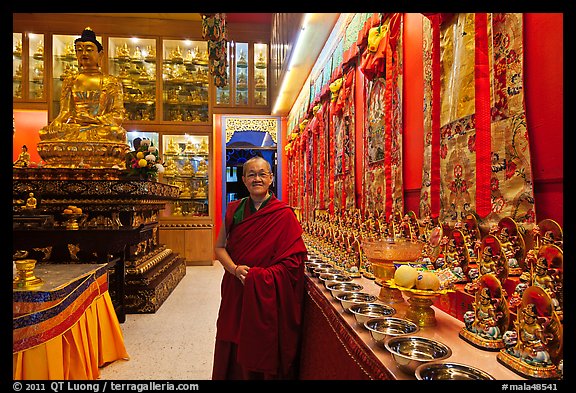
pixel 144 162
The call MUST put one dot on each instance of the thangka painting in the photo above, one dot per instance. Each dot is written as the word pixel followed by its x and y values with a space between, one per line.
pixel 344 126
pixel 507 172
pixel 382 182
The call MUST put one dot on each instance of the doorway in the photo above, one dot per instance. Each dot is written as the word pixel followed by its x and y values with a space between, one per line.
pixel 236 156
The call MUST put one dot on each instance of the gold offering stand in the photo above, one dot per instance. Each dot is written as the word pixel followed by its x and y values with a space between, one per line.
pixel 72 221
pixel 420 302
pixel 383 254
pixel 25 278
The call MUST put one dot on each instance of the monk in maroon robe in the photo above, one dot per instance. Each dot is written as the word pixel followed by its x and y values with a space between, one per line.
pixel 261 249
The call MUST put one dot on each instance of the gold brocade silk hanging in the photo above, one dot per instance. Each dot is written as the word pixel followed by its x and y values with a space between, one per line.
pixel 467 74
pixel 382 180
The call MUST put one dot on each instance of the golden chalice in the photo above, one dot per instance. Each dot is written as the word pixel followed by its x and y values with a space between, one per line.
pixel 384 255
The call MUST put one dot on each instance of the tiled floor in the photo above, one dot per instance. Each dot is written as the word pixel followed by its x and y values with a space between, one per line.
pixel 176 342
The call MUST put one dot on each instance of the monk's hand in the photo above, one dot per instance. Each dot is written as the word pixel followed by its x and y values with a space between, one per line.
pixel 241 272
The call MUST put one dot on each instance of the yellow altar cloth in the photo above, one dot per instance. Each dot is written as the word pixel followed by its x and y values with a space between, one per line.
pixel 67 328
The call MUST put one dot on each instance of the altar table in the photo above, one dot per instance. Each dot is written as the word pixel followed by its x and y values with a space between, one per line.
pixel 66 328
pixel 335 347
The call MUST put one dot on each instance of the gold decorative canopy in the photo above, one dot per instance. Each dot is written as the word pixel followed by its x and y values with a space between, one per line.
pixel 247 124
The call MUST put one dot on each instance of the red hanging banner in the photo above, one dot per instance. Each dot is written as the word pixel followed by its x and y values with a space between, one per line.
pixel 482 116
pixel 388 134
pixel 435 142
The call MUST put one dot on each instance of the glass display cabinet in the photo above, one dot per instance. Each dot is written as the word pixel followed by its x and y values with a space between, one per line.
pixel 223 93
pixel 17 65
pixel 186 224
pixel 28 82
pixel 133 61
pixel 185 159
pixel 186 81
pixel 260 74
pixel 248 65
pixel 241 74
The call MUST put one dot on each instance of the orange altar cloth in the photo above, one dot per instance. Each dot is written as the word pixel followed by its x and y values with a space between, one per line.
pixel 67 328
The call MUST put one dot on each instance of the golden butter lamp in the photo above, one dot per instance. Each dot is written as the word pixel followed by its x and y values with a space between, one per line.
pixel 25 278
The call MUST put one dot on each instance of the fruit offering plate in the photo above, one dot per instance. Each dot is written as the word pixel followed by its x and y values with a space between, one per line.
pixel 420 292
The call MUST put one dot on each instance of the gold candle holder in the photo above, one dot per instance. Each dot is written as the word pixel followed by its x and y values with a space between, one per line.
pixel 25 279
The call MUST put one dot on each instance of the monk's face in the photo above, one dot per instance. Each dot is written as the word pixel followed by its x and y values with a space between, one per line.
pixel 257 178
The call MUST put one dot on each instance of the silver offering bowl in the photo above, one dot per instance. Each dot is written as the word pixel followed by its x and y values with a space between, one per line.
pixel 328 270
pixel 347 300
pixel 382 328
pixel 439 370
pixel 337 288
pixel 310 266
pixel 364 311
pixel 410 352
pixel 334 277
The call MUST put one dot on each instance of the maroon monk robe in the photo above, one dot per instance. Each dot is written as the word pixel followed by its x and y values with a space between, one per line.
pixel 263 316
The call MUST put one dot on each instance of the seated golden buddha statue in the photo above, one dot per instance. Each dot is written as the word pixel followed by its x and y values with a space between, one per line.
pixel 187 169
pixel 202 169
pixel 88 127
pixel 200 192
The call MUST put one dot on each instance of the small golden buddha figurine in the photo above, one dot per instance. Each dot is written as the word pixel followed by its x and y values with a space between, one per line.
pixel 38 72
pixel 203 147
pixel 203 58
pixel 31 201
pixel 242 81
pixel 18 72
pixel 39 54
pixel 186 192
pixel 242 62
pixel 69 52
pixel 91 114
pixel 200 192
pixel 170 167
pixel 189 59
pixel 176 55
pixel 173 148
pixel 260 61
pixel 260 80
pixel 187 169
pixel 122 52
pixel 190 148
pixel 17 49
pixel 137 55
pixel 202 170
pixel 23 159
pixel 150 54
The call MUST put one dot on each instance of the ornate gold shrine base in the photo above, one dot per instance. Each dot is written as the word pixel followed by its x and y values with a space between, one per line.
pixel 480 342
pixel 152 279
pixel 26 278
pixel 525 369
pixel 420 311
pixel 63 154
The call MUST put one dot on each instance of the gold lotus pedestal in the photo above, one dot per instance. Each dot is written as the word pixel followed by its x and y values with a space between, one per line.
pixel 75 154
pixel 383 255
pixel 25 278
